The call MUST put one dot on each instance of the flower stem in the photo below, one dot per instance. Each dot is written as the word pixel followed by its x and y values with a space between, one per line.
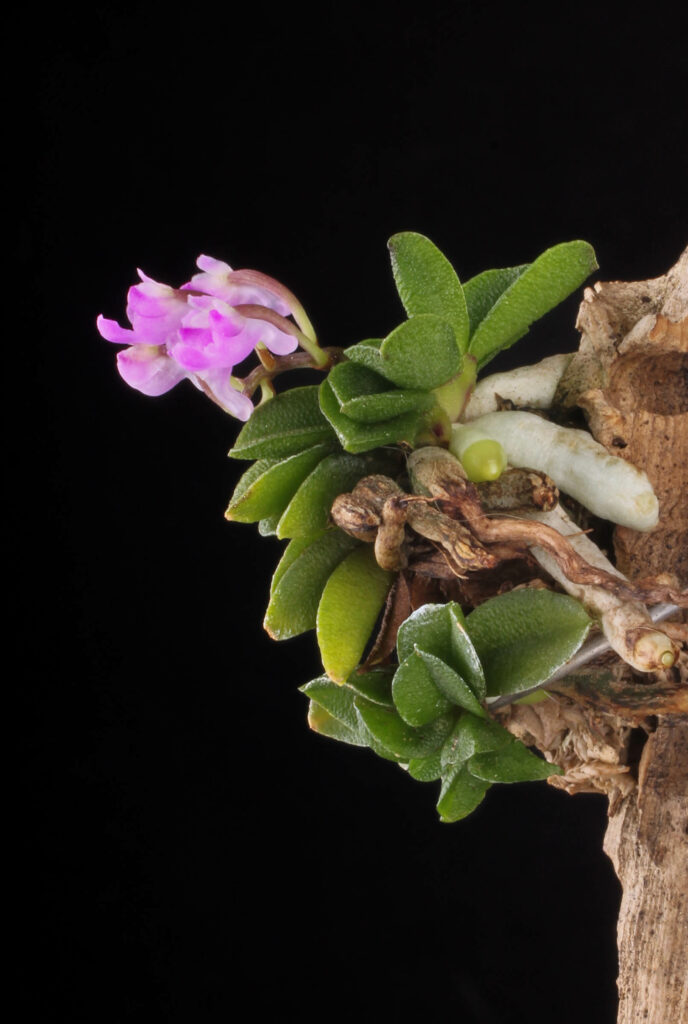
pixel 297 360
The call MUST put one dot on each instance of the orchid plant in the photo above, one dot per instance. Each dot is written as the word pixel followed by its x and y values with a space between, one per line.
pixel 402 490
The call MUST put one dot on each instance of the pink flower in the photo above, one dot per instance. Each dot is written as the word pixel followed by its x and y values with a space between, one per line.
pixel 201 331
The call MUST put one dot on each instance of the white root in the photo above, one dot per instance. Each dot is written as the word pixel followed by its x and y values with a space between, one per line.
pixel 626 624
pixel 606 484
pixel 530 386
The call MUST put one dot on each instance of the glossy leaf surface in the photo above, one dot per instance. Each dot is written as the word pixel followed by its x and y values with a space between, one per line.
pixel 522 637
pixel 392 732
pixel 294 601
pixel 460 794
pixel 451 684
pixel 429 628
pixel 513 763
pixel 325 724
pixel 416 697
pixel 471 736
pixel 350 604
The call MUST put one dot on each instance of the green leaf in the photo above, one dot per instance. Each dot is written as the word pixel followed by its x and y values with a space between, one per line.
pixel 254 471
pixel 465 658
pixel 522 637
pixel 366 353
pixel 484 290
pixel 337 700
pixel 283 426
pixel 308 512
pixel 375 685
pixel 389 729
pixel 269 492
pixel 373 408
pixel 421 353
pixel 430 628
pixel 322 722
pixel 350 604
pixel 460 794
pixel 350 380
pixel 292 551
pixel 543 285
pixel 427 282
pixel 294 601
pixel 471 736
pixel 362 437
pixel 513 763
pixel 425 769
pixel 451 684
pixel 416 697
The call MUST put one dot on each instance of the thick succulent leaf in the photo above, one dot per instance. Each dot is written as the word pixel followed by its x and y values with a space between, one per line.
pixel 484 290
pixel 389 729
pixel 471 736
pixel 292 551
pixel 254 471
pixel 416 697
pixel 421 353
pixel 283 426
pixel 427 282
pixel 465 658
pixel 362 437
pixel 429 628
pixel 294 601
pixel 522 637
pixel 322 722
pixel 512 763
pixel 543 285
pixel 337 700
pixel 375 685
pixel 366 353
pixel 373 408
pixel 460 794
pixel 425 769
pixel 349 607
pixel 451 684
pixel 308 512
pixel 349 380
pixel 270 492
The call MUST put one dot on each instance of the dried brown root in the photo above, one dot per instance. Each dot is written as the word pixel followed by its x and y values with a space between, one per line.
pixel 441 475
pixel 377 510
pixel 518 489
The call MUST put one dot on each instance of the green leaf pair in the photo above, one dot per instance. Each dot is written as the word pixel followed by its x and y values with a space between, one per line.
pixel 430 713
pixel 333 584
pixel 289 490
pixel 494 309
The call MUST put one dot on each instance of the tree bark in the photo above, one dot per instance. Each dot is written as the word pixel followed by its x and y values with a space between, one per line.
pixel 631 378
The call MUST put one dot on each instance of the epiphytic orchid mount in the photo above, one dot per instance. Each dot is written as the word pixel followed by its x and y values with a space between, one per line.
pixel 427 545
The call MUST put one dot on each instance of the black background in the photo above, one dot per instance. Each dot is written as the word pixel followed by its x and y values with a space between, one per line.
pixel 186 842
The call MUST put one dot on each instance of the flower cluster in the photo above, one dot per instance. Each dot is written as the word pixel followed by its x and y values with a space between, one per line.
pixel 204 329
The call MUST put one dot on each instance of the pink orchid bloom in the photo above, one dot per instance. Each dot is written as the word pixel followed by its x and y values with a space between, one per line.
pixel 200 332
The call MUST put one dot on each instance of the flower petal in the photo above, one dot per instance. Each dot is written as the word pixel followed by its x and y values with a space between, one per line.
pixel 145 368
pixel 231 400
pixel 111 331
